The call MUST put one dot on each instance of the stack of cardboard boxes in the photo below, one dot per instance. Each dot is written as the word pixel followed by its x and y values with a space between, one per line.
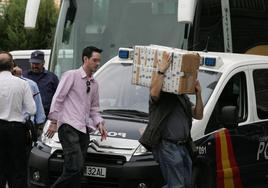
pixel 179 78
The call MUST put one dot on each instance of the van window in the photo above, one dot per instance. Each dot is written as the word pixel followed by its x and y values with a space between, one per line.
pixel 208 81
pixel 233 94
pixel 260 78
pixel 23 64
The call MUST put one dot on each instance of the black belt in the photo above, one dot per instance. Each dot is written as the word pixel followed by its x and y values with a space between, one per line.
pixel 11 123
pixel 177 142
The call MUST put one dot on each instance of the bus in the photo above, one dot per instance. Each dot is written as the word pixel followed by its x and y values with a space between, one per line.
pixel 238 26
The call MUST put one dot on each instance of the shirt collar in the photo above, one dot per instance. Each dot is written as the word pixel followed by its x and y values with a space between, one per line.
pixel 84 74
pixel 43 72
pixel 5 73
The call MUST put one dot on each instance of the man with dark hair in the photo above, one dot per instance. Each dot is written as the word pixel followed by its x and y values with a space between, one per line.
pixel 15 98
pixel 74 113
pixel 168 130
pixel 47 81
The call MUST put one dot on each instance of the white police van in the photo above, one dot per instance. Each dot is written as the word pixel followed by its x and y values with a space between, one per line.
pixel 21 58
pixel 232 138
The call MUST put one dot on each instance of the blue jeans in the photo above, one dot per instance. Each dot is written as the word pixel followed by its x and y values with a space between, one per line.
pixel 74 144
pixel 175 164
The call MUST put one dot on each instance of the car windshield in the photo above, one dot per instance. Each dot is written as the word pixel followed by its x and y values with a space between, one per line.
pixel 117 92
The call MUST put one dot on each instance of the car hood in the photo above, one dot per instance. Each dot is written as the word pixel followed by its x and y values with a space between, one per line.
pixel 123 135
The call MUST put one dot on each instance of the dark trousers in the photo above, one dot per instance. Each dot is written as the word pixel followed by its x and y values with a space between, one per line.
pixel 13 155
pixel 74 144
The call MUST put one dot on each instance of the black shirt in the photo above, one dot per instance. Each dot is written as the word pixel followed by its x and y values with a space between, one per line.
pixel 176 125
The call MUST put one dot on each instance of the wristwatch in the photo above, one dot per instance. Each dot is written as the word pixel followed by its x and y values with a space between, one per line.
pixel 159 72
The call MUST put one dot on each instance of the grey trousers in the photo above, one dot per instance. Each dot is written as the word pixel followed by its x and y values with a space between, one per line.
pixel 74 144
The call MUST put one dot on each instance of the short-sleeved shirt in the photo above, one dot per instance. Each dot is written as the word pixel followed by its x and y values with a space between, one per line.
pixel 176 125
pixel 40 116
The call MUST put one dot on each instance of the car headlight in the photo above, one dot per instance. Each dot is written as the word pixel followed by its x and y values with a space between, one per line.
pixel 141 151
pixel 48 141
pixel 51 142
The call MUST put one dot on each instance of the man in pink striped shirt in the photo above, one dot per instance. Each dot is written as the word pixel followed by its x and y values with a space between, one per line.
pixel 74 113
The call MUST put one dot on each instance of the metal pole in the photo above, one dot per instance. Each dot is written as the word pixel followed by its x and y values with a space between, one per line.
pixel 226 25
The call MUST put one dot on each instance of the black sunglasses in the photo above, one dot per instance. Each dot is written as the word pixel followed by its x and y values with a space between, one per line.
pixel 88 86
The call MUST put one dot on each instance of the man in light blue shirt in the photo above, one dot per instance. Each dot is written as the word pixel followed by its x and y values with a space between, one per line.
pixel 39 118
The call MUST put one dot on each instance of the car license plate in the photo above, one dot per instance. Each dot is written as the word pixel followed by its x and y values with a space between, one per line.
pixel 94 171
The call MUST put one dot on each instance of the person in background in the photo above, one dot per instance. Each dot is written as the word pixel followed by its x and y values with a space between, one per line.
pixel 168 130
pixel 74 109
pixel 15 97
pixel 39 118
pixel 47 81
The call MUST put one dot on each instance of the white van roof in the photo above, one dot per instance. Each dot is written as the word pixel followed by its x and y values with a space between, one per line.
pixel 229 61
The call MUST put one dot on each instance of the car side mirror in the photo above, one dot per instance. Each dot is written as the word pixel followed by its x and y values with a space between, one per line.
pixel 186 11
pixel 31 13
pixel 229 117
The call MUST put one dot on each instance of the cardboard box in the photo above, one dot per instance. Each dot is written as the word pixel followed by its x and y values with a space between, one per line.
pixel 179 78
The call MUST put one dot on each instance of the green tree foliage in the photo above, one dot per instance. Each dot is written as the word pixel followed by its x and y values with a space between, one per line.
pixel 3 34
pixel 16 37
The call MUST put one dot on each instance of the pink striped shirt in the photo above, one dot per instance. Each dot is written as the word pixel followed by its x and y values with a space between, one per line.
pixel 72 104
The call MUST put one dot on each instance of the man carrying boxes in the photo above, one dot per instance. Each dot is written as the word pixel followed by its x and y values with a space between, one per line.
pixel 169 73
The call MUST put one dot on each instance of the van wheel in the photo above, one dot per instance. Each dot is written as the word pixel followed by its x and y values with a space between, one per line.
pixel 202 176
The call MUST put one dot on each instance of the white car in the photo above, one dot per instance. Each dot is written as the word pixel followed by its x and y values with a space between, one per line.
pixel 231 138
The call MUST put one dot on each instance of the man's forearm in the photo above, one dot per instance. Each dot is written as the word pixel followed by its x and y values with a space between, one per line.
pixel 198 110
pixel 156 86
pixel 158 79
